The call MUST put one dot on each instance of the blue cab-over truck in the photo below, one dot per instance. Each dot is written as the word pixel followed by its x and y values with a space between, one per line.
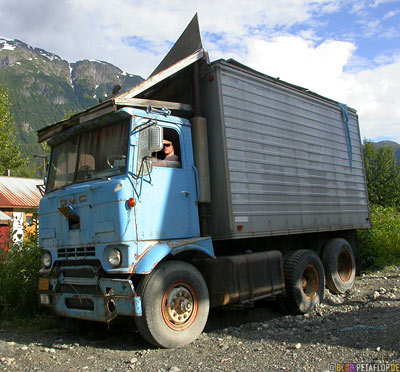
pixel 261 201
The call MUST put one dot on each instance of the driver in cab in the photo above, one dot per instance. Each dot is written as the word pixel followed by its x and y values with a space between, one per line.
pixel 169 158
pixel 169 151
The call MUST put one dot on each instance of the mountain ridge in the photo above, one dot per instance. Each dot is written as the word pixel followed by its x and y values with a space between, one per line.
pixel 394 145
pixel 43 88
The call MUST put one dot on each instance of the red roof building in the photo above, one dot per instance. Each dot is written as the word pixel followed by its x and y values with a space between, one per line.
pixel 19 200
pixel 16 192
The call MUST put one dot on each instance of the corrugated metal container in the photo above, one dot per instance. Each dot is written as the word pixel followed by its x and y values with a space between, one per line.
pixel 16 192
pixel 282 160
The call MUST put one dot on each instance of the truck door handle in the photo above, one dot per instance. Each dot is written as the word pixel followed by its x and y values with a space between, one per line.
pixel 186 193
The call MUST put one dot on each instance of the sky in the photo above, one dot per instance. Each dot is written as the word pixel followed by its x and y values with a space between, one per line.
pixel 345 50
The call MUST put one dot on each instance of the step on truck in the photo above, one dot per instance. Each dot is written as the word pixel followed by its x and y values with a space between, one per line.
pixel 207 185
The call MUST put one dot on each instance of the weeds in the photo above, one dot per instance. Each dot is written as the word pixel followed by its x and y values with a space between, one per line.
pixel 19 275
pixel 380 245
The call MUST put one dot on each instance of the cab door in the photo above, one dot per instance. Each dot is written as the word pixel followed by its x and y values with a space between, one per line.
pixel 167 206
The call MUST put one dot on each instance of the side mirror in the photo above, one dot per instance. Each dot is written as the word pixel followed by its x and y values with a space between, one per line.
pixel 156 136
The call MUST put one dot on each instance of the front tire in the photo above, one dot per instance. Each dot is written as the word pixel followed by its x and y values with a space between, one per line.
pixel 304 281
pixel 175 305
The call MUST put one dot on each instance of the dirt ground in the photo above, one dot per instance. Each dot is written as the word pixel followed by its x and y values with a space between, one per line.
pixel 362 326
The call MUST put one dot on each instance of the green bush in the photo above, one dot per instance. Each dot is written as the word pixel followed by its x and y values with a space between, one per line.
pixel 380 245
pixel 19 275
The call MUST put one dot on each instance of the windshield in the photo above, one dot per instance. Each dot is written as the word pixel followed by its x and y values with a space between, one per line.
pixel 89 155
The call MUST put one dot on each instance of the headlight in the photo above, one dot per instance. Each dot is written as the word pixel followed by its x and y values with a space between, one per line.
pixel 115 257
pixel 46 260
pixel 44 299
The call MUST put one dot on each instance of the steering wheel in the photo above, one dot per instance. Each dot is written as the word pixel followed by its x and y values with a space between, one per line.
pixel 56 169
pixel 111 158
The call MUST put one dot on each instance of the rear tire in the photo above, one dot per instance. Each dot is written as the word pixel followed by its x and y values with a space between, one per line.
pixel 175 305
pixel 304 281
pixel 340 265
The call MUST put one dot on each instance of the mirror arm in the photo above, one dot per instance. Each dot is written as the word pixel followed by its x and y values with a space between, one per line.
pixel 146 161
pixel 141 127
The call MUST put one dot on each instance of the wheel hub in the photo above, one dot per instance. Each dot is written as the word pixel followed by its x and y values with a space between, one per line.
pixel 310 282
pixel 344 266
pixel 179 306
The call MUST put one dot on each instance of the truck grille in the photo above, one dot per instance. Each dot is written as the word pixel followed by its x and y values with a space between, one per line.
pixel 79 303
pixel 76 252
pixel 81 289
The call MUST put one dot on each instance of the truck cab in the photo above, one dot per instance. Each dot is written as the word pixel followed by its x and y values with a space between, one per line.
pixel 114 208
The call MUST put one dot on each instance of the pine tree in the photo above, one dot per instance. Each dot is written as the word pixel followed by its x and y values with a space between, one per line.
pixel 10 154
pixel 388 178
pixel 370 156
pixel 383 175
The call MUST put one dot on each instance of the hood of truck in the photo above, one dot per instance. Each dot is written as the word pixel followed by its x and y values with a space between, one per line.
pixel 101 205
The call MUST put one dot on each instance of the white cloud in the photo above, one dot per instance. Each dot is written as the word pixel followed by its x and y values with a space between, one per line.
pixel 380 2
pixel 136 34
pixel 77 29
pixel 321 68
pixel 391 14
pixel 376 93
pixel 302 62
pixel 390 33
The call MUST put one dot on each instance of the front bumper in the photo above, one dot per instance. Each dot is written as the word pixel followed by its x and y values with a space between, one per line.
pixel 79 293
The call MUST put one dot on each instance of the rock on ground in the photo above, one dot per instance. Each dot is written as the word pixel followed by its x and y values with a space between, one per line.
pixel 359 326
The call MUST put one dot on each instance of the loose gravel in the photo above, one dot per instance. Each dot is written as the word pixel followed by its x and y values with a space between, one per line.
pixel 360 326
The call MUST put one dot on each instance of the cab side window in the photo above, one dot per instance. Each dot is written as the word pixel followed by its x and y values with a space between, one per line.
pixel 170 155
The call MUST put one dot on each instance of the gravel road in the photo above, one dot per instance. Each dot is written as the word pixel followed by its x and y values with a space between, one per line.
pixel 359 327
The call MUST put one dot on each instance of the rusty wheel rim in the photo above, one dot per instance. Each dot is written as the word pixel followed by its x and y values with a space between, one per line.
pixel 310 282
pixel 179 306
pixel 344 266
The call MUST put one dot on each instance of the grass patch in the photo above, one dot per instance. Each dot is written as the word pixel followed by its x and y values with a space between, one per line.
pixel 19 275
pixel 380 245
pixel 42 321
